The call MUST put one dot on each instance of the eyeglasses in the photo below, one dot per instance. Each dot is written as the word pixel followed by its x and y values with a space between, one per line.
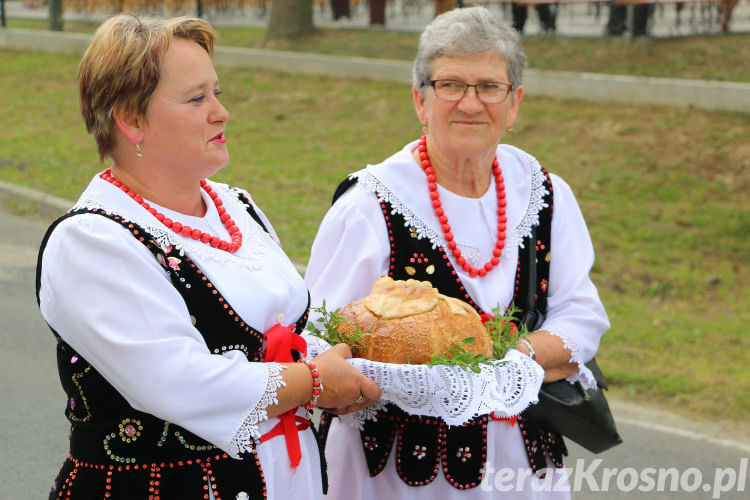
pixel 454 90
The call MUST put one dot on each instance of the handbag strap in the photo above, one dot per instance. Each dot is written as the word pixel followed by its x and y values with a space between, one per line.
pixel 533 314
pixel 534 261
pixel 534 258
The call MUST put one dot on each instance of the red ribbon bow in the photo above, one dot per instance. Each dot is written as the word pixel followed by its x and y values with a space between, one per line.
pixel 280 341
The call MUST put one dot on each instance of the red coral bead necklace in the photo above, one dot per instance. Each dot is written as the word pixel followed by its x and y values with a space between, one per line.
pixel 187 231
pixel 443 219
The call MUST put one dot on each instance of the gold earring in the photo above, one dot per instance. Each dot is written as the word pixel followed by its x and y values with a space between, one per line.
pixel 510 131
pixel 424 128
pixel 138 151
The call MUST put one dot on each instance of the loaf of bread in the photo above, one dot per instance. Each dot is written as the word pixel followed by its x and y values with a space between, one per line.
pixel 409 322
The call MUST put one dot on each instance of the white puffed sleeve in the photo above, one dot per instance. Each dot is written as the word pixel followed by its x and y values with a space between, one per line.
pixel 350 250
pixel 105 294
pixel 574 311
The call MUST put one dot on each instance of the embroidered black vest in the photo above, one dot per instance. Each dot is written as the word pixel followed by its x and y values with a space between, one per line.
pixel 424 444
pixel 119 452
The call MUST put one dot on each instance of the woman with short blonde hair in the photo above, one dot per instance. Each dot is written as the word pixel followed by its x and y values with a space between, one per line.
pixel 120 68
pixel 177 315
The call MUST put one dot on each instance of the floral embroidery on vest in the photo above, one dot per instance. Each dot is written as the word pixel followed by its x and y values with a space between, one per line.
pixel 425 444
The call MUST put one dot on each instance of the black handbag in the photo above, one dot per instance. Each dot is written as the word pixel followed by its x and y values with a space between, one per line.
pixel 582 416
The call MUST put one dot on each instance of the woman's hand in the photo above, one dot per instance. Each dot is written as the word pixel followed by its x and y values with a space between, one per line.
pixel 345 389
pixel 560 372
pixel 551 354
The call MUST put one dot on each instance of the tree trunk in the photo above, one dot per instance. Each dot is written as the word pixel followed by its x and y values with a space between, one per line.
pixel 290 19
pixel 55 15
pixel 444 6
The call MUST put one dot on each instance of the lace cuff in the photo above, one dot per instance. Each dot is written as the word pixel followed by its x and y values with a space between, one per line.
pixel 506 386
pixel 248 429
pixel 583 375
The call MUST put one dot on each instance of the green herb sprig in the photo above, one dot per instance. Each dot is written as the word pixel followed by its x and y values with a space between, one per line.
pixel 502 331
pixel 504 335
pixel 457 355
pixel 330 332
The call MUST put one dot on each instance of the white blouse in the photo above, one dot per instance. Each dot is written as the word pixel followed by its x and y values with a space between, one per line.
pixel 107 296
pixel 352 249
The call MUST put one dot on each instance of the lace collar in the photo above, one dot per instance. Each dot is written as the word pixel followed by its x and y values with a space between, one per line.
pixel 104 196
pixel 400 182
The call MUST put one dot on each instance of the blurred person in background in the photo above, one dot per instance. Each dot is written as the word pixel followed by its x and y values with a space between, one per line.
pixel 727 7
pixel 177 314
pixel 617 23
pixel 547 16
pixel 340 8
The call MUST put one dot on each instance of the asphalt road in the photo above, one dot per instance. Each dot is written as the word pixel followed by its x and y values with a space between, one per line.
pixel 33 429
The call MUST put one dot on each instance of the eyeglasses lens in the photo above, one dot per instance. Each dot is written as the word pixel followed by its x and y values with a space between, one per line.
pixel 490 92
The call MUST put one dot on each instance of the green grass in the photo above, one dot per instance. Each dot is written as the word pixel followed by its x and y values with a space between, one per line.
pixel 664 191
pixel 709 57
pixel 36 24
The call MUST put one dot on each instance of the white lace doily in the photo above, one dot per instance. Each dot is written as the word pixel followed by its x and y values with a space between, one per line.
pixel 506 387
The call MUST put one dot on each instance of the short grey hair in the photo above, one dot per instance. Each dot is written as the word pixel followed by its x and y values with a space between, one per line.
pixel 463 32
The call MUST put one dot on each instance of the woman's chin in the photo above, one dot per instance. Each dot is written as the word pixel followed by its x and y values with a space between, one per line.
pixel 476 142
pixel 217 166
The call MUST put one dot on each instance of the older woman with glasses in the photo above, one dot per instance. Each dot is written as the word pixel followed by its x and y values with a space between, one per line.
pixel 476 220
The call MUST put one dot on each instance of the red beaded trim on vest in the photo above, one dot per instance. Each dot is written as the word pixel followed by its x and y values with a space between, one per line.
pixel 483 422
pixel 204 279
pixel 467 298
